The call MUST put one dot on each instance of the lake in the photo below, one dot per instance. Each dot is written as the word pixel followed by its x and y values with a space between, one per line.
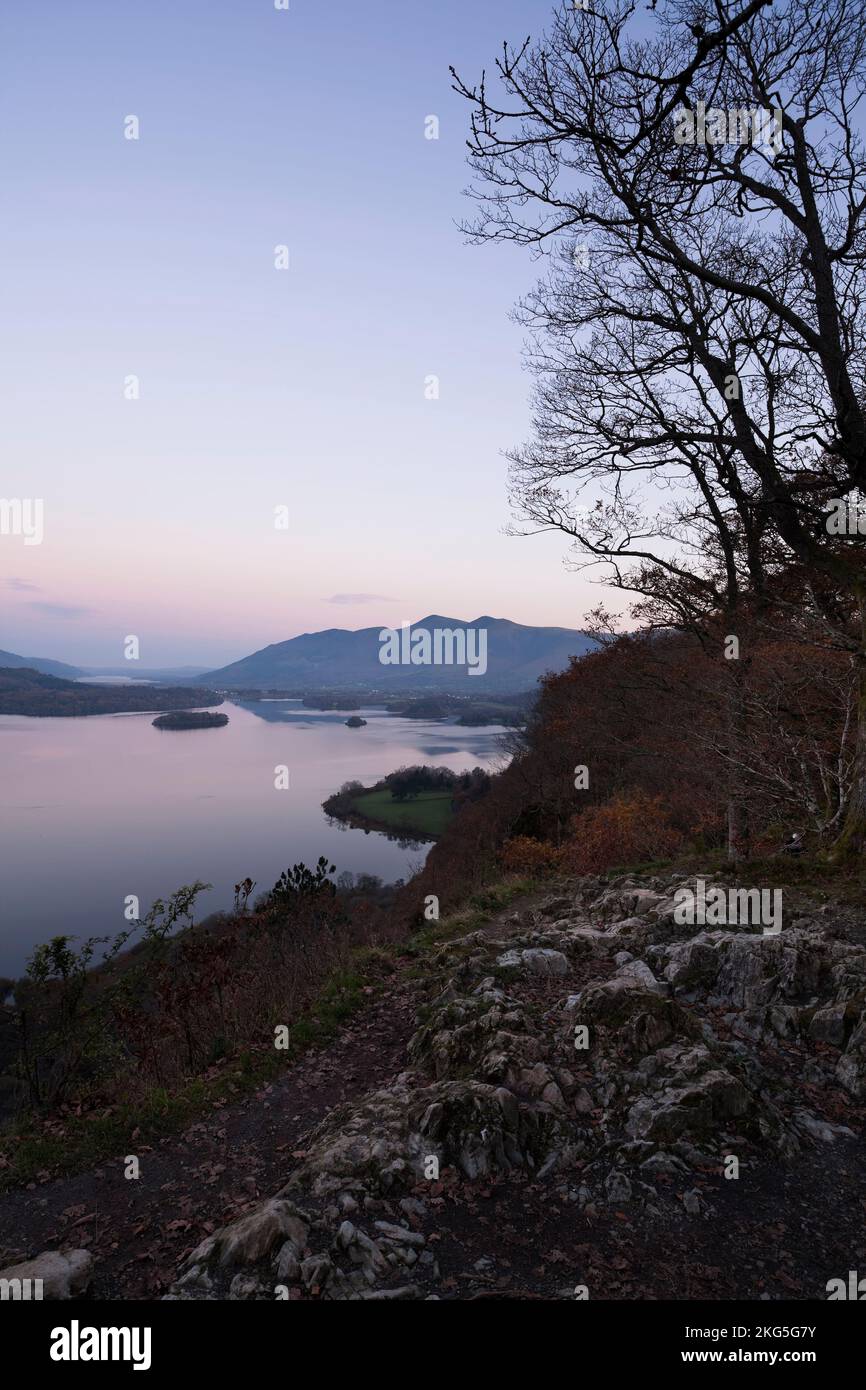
pixel 95 809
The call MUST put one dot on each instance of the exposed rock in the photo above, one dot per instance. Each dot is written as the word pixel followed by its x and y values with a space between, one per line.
pixel 617 1187
pixel 636 1019
pixel 828 1025
pixel 64 1274
pixel 681 1023
pixel 639 970
pixel 406 1291
pixel 399 1234
pixel 694 962
pixel 252 1237
pixel 248 1286
pixel 538 961
pixel 851 1070
pixel 288 1264
pixel 556 907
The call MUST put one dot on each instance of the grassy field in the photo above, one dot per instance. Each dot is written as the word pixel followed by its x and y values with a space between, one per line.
pixel 429 812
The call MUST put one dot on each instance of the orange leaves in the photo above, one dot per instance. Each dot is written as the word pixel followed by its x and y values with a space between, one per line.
pixel 525 856
pixel 630 828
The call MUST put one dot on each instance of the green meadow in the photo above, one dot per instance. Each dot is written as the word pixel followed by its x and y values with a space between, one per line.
pixel 429 812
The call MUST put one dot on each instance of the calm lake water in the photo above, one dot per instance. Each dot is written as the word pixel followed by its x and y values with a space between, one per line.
pixel 94 809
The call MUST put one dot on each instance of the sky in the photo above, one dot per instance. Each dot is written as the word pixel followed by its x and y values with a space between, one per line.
pixel 229 453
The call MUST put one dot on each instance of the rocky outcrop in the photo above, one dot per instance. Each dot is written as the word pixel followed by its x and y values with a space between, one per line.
pixel 594 1042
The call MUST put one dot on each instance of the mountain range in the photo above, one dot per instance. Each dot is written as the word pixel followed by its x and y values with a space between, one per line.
pixel 170 675
pixel 515 657
pixel 41 664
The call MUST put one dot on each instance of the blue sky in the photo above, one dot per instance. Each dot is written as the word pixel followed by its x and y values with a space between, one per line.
pixel 258 388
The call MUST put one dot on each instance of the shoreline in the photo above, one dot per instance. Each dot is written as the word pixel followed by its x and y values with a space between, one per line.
pixel 356 820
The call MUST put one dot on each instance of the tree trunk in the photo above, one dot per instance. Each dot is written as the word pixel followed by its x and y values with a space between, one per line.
pixel 739 829
pixel 739 820
pixel 852 840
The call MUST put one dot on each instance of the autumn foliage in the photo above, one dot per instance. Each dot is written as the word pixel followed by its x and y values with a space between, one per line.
pixel 528 857
pixel 649 716
pixel 630 828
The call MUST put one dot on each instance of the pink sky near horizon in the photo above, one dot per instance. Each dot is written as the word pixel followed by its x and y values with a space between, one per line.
pixel 209 599
pixel 258 387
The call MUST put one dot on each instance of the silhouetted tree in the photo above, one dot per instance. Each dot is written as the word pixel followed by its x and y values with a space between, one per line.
pixel 698 343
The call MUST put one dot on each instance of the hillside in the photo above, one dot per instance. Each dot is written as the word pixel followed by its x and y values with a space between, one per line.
pixel 450 1141
pixel 516 657
pixel 39 663
pixel 499 1158
pixel 29 692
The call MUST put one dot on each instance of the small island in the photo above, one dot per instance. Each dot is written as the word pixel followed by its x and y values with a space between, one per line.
pixel 190 719
pixel 355 722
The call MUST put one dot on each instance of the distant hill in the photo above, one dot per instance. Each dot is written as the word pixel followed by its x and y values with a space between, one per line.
pixel 338 659
pixel 29 692
pixel 39 663
pixel 170 675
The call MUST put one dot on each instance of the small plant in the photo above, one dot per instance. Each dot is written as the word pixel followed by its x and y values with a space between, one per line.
pixel 301 882
pixel 242 894
pixel 65 1006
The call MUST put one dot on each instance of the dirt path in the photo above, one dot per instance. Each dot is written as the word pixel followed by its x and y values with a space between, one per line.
pixel 139 1229
pixel 779 1232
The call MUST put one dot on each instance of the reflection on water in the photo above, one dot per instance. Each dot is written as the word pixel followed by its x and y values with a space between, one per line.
pixel 481 743
pixel 290 712
pixel 93 810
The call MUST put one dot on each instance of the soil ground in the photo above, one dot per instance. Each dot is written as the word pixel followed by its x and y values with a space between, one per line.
pixel 780 1232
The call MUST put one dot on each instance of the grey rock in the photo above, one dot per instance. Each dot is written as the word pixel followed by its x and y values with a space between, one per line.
pixel 661 1163
pixel 405 1292
pixel 411 1206
pixel 617 1187
pixel 829 1025
pixel 639 970
pixel 245 1286
pixel 64 1274
pixel 819 1129
pixel 316 1271
pixel 537 960
pixel 345 1235
pixel 399 1234
pixel 252 1237
pixel 288 1264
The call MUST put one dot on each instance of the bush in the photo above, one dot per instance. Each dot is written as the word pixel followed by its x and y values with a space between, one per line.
pixel 529 857
pixel 299 883
pixel 630 828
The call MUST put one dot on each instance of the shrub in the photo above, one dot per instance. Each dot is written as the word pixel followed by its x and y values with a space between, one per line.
pixel 299 882
pixel 630 828
pixel 525 856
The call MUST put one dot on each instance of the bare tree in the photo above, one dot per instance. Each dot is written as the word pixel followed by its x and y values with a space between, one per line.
pixel 698 341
